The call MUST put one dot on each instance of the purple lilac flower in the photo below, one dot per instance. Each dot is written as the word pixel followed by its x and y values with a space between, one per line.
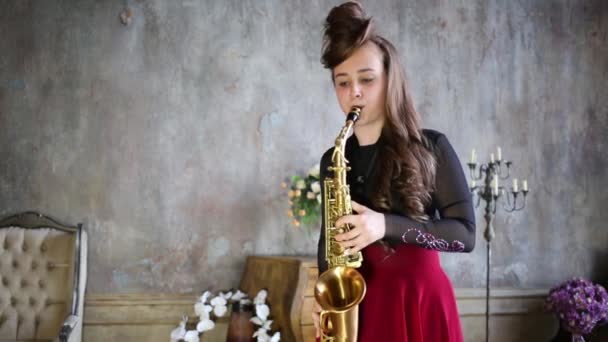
pixel 579 304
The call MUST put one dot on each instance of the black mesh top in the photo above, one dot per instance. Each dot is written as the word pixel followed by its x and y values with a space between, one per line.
pixel 451 226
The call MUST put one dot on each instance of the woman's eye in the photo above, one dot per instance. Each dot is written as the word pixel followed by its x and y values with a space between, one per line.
pixel 367 80
pixel 343 84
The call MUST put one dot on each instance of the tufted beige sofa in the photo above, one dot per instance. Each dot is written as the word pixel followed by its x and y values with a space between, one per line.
pixel 42 279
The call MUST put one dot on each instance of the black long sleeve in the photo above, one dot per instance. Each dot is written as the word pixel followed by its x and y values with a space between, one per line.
pixel 454 228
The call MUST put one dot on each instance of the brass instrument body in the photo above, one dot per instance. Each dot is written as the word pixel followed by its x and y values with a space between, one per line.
pixel 341 288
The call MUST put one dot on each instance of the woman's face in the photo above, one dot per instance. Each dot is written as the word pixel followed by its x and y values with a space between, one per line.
pixel 361 81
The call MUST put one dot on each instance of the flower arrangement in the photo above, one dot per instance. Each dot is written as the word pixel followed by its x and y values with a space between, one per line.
pixel 261 319
pixel 217 307
pixel 579 304
pixel 304 198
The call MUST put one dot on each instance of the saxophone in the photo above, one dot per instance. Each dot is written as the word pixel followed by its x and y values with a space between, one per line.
pixel 340 289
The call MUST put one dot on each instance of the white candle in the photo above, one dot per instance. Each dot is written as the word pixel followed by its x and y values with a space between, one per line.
pixel 473 156
pixel 515 185
pixel 525 185
pixel 499 153
pixel 491 157
pixel 495 185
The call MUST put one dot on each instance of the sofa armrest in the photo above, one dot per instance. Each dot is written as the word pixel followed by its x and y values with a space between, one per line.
pixel 68 325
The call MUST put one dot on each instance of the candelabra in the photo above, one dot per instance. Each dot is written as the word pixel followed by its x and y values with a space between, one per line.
pixel 492 194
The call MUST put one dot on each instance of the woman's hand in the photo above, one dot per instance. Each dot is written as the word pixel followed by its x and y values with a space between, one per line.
pixel 369 227
pixel 316 309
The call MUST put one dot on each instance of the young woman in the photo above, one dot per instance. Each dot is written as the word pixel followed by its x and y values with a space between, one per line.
pixel 410 195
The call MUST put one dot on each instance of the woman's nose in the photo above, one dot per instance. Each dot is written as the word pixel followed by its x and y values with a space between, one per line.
pixel 356 91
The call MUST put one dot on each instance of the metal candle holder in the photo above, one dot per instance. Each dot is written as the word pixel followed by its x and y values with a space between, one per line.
pixel 492 193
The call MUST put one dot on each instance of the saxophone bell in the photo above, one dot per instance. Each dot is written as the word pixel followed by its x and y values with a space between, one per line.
pixel 340 289
pixel 339 292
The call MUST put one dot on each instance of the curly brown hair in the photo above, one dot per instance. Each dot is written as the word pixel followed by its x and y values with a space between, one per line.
pixel 406 162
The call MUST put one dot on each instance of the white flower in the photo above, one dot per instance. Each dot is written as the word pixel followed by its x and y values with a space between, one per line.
pixel 205 325
pixel 315 170
pixel 226 295
pixel 204 296
pixel 238 295
pixel 319 198
pixel 301 184
pixel 202 310
pixel 276 337
pixel 220 310
pixel 206 304
pixel 262 311
pixel 219 304
pixel 310 195
pixel 267 324
pixel 260 298
pixel 256 320
pixel 191 336
pixel 179 332
pixel 219 300
pixel 261 334
pixel 315 187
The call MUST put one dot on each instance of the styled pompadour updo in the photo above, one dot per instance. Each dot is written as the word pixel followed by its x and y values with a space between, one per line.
pixel 406 163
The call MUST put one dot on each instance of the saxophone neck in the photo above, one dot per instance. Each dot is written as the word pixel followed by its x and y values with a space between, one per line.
pixel 351 118
pixel 340 143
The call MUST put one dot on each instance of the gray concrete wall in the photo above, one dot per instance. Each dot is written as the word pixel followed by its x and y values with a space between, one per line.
pixel 169 137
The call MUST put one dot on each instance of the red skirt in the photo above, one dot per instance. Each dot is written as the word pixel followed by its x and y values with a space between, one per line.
pixel 409 297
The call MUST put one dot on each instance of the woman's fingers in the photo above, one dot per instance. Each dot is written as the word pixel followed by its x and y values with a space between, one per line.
pixel 358 207
pixel 351 234
pixel 367 226
pixel 347 219
pixel 354 245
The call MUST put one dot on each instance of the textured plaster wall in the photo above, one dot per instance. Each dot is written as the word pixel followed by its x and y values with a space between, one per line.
pixel 169 137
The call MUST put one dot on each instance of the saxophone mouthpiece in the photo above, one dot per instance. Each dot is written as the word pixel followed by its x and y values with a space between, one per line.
pixel 354 114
